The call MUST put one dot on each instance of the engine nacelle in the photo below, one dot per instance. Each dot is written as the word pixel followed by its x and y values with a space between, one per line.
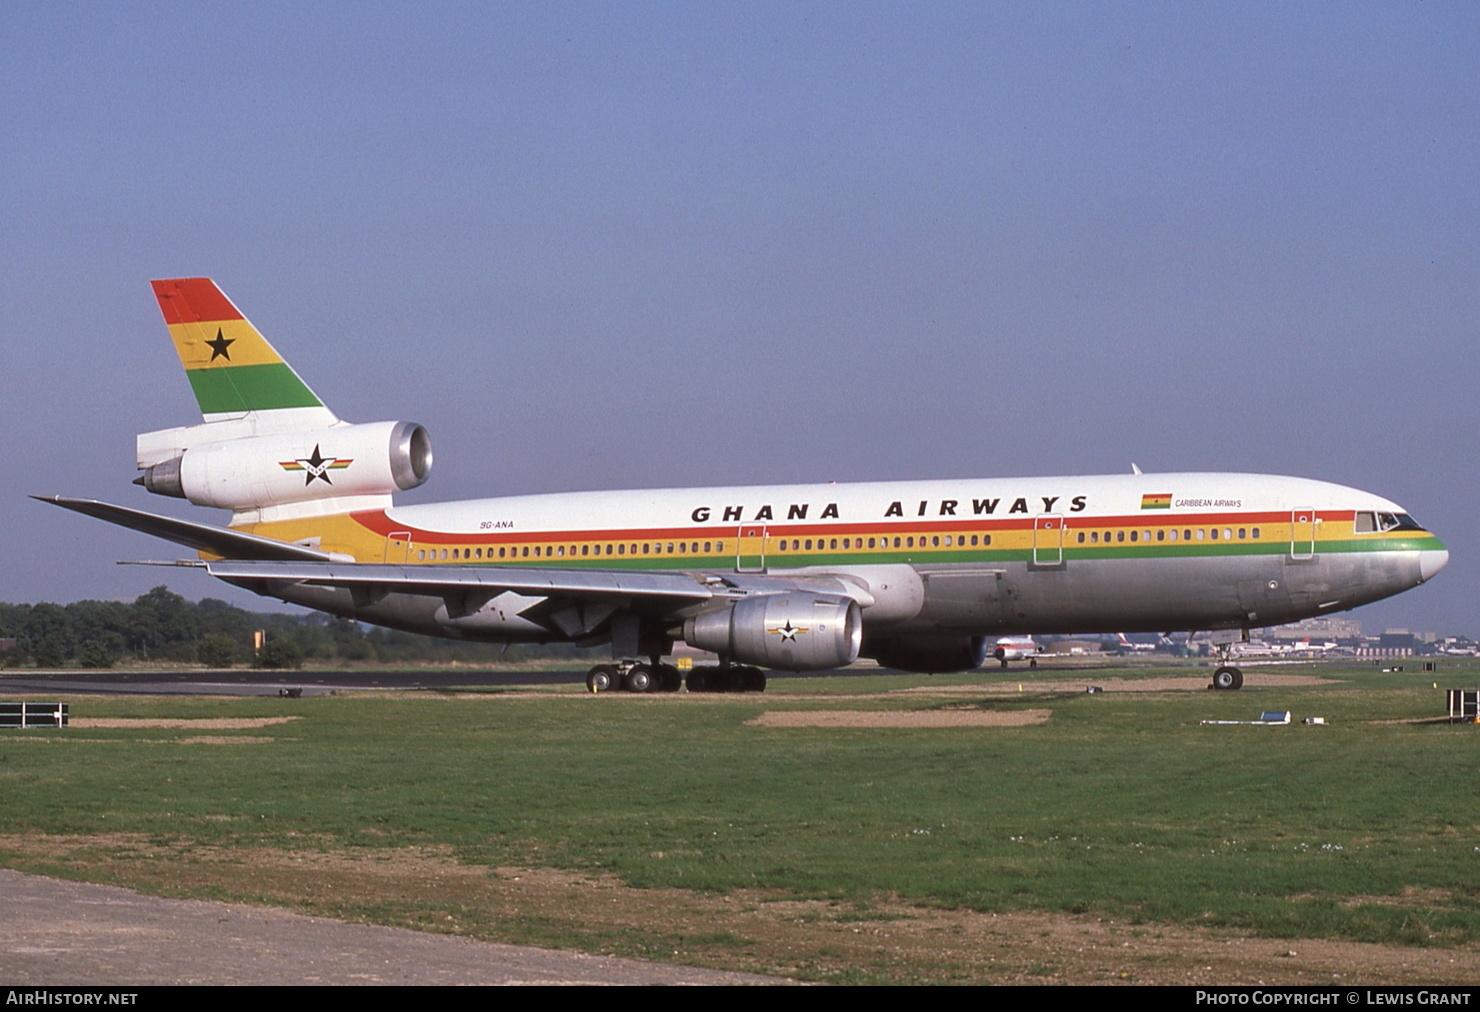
pixel 793 631
pixel 378 458
pixel 935 655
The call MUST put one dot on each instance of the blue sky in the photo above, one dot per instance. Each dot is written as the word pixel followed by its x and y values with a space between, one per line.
pixel 620 245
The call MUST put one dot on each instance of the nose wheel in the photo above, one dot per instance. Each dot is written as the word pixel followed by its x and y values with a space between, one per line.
pixel 1227 678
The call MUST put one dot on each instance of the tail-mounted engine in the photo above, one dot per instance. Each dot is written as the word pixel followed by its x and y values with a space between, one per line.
pixel 794 631
pixel 378 458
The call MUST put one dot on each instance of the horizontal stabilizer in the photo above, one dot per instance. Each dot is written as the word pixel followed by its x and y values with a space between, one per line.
pixel 202 537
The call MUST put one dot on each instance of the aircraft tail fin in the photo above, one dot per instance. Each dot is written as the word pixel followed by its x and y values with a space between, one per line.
pixel 268 447
pixel 231 367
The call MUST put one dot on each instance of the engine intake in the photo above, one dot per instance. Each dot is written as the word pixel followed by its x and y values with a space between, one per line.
pixel 793 631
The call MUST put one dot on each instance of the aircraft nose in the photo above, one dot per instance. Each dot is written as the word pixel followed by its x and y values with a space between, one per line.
pixel 1429 563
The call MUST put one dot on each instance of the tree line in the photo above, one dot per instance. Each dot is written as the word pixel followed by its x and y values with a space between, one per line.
pixel 162 626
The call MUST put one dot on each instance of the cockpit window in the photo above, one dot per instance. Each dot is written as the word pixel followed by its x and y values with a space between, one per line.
pixel 1368 523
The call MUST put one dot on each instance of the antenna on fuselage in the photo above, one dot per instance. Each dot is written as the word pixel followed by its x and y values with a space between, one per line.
pixel 1135 468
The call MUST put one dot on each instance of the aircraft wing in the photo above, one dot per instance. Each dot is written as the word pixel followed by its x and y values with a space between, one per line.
pixel 572 602
pixel 201 537
pixel 374 578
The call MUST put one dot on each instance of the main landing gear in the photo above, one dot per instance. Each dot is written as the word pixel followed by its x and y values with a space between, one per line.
pixel 634 677
pixel 658 677
pixel 1227 678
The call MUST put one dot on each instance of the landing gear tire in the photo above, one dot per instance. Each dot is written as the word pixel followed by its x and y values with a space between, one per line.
pixel 603 678
pixel 752 680
pixel 698 680
pixel 640 678
pixel 1228 679
pixel 669 679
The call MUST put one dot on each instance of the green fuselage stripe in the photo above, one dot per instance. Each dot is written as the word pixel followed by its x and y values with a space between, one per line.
pixel 249 388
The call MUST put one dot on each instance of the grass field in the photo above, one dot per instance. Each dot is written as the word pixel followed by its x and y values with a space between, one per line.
pixel 1121 805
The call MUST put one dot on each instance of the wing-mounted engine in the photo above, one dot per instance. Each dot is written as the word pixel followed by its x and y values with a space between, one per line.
pixel 253 471
pixel 793 631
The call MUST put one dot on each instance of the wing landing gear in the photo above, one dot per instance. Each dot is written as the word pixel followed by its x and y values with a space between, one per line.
pixel 634 676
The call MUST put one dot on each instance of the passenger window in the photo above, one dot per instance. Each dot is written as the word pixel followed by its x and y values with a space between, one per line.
pixel 1201 534
pixel 1133 535
pixel 1256 534
pixel 1242 533
pixel 1213 533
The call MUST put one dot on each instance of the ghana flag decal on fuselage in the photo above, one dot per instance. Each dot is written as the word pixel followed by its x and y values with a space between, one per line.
pixel 1156 501
pixel 231 367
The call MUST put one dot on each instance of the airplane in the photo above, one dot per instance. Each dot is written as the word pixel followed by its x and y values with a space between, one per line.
pixel 918 575
pixel 1305 646
pixel 1017 648
pixel 1128 646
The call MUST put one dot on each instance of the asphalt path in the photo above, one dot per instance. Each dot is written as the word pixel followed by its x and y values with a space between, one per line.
pixel 58 933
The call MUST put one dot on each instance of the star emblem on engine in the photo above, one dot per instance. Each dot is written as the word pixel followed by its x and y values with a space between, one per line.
pixel 316 465
pixel 788 632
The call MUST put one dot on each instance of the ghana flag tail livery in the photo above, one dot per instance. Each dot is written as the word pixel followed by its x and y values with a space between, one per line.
pixel 269 448
pixel 231 367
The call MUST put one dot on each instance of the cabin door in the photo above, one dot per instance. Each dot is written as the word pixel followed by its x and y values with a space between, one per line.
pixel 398 547
pixel 750 549
pixel 1302 533
pixel 1048 540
